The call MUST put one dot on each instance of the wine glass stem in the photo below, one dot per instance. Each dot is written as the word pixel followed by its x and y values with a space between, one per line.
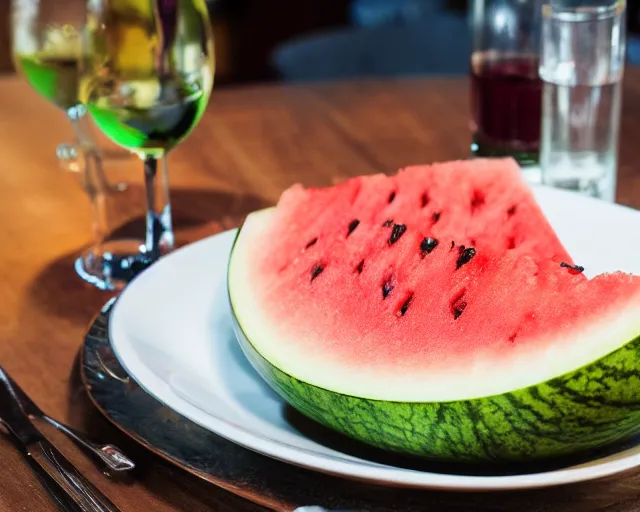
pixel 159 239
pixel 92 175
pixel 86 142
pixel 81 126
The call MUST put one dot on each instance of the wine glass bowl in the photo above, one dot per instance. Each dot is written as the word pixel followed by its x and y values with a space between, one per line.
pixel 149 73
pixel 53 70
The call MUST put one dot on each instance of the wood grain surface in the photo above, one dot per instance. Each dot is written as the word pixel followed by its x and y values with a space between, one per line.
pixel 252 144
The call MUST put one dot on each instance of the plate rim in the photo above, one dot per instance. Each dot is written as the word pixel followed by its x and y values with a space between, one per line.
pixel 257 498
pixel 381 475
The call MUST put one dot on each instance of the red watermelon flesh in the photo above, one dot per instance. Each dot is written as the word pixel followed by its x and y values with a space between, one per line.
pixel 348 293
pixel 482 203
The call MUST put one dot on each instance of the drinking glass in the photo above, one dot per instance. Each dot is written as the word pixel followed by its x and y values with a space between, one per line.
pixel 47 49
pixel 148 76
pixel 582 65
pixel 506 90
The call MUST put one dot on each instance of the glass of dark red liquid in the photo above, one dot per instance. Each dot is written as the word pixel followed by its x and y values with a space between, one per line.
pixel 506 89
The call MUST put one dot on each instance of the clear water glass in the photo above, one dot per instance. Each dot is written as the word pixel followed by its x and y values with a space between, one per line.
pixel 582 66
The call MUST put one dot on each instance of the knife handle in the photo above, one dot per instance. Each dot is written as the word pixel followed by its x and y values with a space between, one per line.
pixel 56 493
pixel 84 494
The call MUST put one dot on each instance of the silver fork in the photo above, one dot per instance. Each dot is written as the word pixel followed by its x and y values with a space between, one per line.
pixel 107 457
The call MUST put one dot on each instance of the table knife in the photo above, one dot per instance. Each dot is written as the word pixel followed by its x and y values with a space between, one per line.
pixel 315 508
pixel 111 457
pixel 45 458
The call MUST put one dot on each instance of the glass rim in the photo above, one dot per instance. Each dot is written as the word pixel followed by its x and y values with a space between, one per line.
pixel 581 13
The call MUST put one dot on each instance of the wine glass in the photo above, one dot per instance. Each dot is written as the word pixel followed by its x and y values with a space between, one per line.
pixel 47 50
pixel 148 78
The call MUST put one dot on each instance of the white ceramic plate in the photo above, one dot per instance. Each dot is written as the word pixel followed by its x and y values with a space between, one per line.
pixel 172 332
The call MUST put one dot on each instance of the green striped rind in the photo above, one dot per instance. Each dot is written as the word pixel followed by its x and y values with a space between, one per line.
pixel 588 408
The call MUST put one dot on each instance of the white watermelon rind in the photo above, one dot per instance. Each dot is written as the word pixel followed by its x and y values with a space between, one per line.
pixel 586 409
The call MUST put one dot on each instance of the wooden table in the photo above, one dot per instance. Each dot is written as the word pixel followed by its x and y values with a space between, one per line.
pixel 251 145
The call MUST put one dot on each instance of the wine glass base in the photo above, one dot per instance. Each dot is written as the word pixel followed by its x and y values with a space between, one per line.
pixel 116 264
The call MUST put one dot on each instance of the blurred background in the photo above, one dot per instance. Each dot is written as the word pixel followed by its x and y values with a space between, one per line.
pixel 304 40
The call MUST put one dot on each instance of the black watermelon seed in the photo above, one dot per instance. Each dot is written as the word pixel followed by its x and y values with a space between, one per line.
pixel 352 226
pixel 458 309
pixel 392 196
pixel 466 255
pixel 453 244
pixel 577 268
pixel 311 243
pixel 424 200
pixel 405 306
pixel 436 217
pixel 360 267
pixel 428 245
pixel 397 231
pixel 387 223
pixel 458 304
pixel 387 288
pixel 316 271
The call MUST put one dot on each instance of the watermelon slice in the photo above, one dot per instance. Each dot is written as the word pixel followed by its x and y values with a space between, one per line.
pixel 436 313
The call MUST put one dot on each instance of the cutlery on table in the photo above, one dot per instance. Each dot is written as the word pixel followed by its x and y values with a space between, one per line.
pixel 315 508
pixel 71 491
pixel 109 458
